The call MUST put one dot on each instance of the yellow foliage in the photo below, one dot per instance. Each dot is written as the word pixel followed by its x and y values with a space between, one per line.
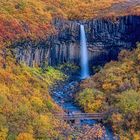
pixel 119 80
pixel 90 99
pixel 45 125
pixel 124 138
pixel 3 133
pixel 36 101
pixel 109 86
pixel 25 136
pixel 24 94
pixel 136 136
pixel 117 118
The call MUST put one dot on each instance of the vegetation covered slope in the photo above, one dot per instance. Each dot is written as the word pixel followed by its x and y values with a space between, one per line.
pixel 116 87
pixel 26 108
pixel 31 19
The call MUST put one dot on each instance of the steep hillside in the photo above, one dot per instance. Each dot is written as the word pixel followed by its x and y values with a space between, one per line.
pixel 116 87
pixel 31 19
pixel 23 19
pixel 26 108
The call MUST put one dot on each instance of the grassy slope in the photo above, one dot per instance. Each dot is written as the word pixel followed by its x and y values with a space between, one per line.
pixel 116 86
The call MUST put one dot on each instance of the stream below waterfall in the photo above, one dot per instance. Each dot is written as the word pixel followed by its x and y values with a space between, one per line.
pixel 63 95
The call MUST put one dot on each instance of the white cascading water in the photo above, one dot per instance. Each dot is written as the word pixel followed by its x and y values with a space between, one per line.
pixel 84 54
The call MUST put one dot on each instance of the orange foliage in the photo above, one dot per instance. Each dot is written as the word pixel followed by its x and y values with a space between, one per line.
pixel 24 97
pixel 32 19
pixel 119 82
pixel 25 136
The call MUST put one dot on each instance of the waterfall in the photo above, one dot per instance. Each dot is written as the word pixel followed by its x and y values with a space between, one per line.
pixel 84 54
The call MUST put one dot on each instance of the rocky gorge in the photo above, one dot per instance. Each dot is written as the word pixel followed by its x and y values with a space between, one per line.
pixel 106 37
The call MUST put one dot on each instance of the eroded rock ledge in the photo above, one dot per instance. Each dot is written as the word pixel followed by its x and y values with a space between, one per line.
pixel 105 38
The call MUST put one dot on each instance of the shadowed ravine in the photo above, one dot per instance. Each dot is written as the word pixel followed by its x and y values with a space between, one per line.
pixel 63 95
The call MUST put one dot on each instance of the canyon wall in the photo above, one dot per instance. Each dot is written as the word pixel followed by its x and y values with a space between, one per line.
pixel 105 39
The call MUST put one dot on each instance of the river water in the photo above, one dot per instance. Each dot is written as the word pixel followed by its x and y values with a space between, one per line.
pixel 63 95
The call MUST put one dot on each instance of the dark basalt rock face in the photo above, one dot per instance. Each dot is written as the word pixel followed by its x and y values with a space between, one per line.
pixel 105 39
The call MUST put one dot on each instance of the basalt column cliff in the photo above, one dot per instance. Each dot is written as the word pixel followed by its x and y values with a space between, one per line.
pixel 105 39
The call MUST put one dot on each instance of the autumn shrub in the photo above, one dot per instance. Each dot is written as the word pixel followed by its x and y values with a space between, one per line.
pixel 129 101
pixel 90 100
pixel 26 107
pixel 25 136
pixel 120 87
